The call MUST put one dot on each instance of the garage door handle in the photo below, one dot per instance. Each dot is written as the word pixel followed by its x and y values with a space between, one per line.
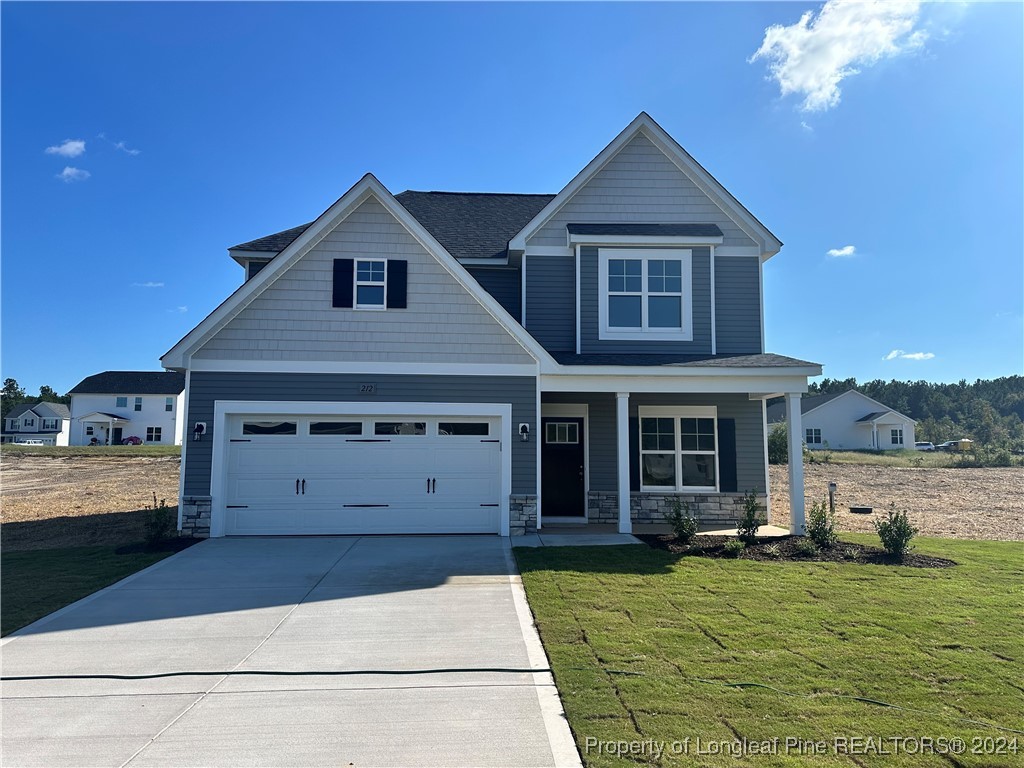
pixel 303 486
pixel 433 488
pixel 296 486
pixel 428 485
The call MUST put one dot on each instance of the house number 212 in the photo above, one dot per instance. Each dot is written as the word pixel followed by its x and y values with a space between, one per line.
pixel 367 389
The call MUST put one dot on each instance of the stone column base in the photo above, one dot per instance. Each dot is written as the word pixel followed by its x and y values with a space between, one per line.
pixel 724 509
pixel 522 514
pixel 195 516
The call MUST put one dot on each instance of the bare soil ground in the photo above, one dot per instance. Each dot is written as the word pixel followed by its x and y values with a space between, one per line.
pixel 949 503
pixel 68 501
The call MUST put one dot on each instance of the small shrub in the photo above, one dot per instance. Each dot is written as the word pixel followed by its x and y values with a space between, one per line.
pixel 733 548
pixel 773 551
pixel 683 521
pixel 159 522
pixel 896 532
pixel 806 548
pixel 778 448
pixel 821 525
pixel 851 554
pixel 752 518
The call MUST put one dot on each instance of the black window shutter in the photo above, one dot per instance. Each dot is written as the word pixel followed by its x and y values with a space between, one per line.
pixel 397 283
pixel 727 455
pixel 344 272
pixel 634 455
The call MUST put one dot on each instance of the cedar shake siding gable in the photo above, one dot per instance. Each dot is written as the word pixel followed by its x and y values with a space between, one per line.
pixel 640 184
pixel 293 318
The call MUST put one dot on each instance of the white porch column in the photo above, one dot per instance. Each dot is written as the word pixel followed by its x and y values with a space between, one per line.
pixel 622 452
pixel 794 419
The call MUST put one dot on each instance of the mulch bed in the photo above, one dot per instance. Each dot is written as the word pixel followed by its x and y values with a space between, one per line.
pixel 786 548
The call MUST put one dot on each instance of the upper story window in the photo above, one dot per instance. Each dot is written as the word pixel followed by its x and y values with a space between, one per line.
pixel 169 404
pixel 29 421
pixel 138 403
pixel 371 279
pixel 15 423
pixel 49 423
pixel 121 402
pixel 645 294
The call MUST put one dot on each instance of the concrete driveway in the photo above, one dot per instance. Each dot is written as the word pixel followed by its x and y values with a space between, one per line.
pixel 374 651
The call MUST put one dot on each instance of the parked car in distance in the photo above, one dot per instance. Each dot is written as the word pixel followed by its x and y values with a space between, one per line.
pixel 29 442
pixel 924 446
pixel 949 445
pixel 133 440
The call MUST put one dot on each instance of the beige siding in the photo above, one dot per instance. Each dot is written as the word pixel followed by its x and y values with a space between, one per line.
pixel 639 184
pixel 293 319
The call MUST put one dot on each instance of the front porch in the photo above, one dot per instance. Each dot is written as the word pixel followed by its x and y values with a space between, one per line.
pixel 105 428
pixel 621 461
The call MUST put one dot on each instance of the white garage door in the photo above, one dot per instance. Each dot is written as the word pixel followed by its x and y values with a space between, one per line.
pixel 362 474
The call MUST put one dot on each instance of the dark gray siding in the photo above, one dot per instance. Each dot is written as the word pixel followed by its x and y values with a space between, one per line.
pixel 504 284
pixel 205 388
pixel 750 458
pixel 589 329
pixel 551 302
pixel 738 305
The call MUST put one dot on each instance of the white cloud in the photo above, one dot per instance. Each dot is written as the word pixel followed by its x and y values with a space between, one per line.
pixel 70 174
pixel 844 252
pixel 179 310
pixel 70 148
pixel 150 284
pixel 814 55
pixel 119 145
pixel 899 354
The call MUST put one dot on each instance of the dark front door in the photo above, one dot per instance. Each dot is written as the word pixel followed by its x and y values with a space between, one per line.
pixel 115 436
pixel 561 458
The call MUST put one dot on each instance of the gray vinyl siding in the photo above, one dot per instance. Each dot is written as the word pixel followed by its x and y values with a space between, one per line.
pixel 639 184
pixel 551 301
pixel 293 318
pixel 738 305
pixel 750 458
pixel 205 388
pixel 590 326
pixel 505 284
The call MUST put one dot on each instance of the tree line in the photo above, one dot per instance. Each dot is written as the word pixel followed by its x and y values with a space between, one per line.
pixel 989 411
pixel 13 395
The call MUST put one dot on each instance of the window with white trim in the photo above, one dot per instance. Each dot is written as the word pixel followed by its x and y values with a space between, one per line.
pixel 15 424
pixel 49 424
pixel 645 294
pixel 896 435
pixel 138 403
pixel 678 448
pixel 812 436
pixel 169 404
pixel 560 432
pixel 153 434
pixel 89 430
pixel 121 402
pixel 371 283
pixel 29 421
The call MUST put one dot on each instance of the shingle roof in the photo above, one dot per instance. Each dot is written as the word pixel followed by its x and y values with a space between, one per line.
pixel 777 412
pixel 766 360
pixel 131 383
pixel 663 230
pixel 59 409
pixel 470 225
pixel 17 410
pixel 872 416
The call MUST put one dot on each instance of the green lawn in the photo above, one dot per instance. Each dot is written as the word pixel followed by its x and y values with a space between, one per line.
pixel 642 641
pixel 39 582
pixel 10 449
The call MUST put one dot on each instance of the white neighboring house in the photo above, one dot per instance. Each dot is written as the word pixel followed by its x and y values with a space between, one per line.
pixel 849 421
pixel 116 405
pixel 38 423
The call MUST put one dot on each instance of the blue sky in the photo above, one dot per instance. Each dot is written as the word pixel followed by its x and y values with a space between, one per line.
pixel 205 125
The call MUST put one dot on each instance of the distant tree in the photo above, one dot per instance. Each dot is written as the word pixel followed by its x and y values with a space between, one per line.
pixel 49 395
pixel 10 396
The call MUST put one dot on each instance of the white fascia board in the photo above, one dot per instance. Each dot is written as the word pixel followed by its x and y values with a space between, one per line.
pixel 678 384
pixel 178 356
pixel 689 371
pixel 367 367
pixel 548 250
pixel 682 159
pixel 606 240
pixel 243 257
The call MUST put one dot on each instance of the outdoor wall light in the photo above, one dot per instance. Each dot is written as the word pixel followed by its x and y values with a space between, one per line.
pixel 524 432
pixel 198 431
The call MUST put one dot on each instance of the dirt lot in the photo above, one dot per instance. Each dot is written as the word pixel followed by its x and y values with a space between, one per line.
pixel 74 501
pixel 950 503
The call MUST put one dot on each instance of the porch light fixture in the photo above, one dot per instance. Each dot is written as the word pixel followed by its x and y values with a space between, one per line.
pixel 524 432
pixel 198 431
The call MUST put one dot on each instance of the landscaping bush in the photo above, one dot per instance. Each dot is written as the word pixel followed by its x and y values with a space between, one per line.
pixel 806 548
pixel 773 551
pixel 752 518
pixel 778 450
pixel 683 521
pixel 159 522
pixel 821 525
pixel 896 532
pixel 733 548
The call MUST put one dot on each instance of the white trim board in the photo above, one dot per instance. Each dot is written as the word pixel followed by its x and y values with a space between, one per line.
pixel 675 384
pixel 606 240
pixel 223 409
pixel 368 367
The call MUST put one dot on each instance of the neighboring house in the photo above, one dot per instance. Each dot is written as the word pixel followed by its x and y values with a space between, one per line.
pixel 435 362
pixel 49 423
pixel 849 421
pixel 113 406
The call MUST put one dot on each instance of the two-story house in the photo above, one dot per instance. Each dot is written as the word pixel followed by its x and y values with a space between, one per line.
pixel 434 362
pixel 38 424
pixel 116 407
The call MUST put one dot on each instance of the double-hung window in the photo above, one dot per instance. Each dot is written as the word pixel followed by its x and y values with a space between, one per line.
pixel 645 294
pixel 812 436
pixel 678 448
pixel 153 434
pixel 371 283
pixel 49 423
pixel 169 404
pixel 896 435
pixel 138 403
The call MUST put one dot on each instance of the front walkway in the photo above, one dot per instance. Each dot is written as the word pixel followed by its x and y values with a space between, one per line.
pixel 373 651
